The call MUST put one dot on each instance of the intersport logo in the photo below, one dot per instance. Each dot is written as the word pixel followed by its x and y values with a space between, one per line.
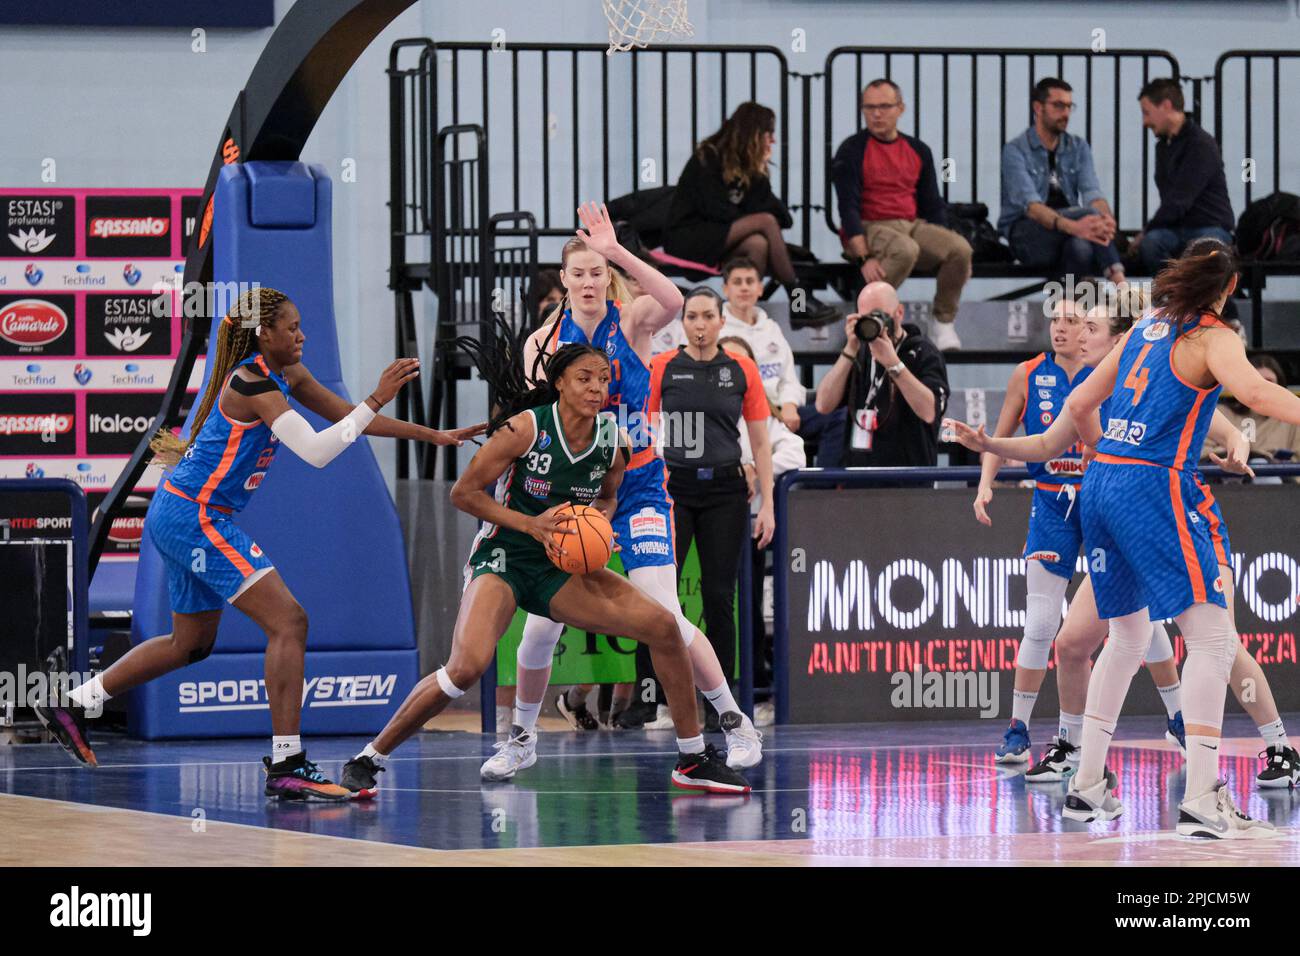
pixel 32 322
pixel 118 226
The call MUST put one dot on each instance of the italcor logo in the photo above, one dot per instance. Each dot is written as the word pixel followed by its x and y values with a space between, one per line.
pixel 211 696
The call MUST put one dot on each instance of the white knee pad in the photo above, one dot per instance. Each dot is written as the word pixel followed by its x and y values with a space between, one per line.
pixel 1161 648
pixel 660 583
pixel 1046 591
pixel 1118 662
pixel 537 647
pixel 1209 630
pixel 1211 640
pixel 448 688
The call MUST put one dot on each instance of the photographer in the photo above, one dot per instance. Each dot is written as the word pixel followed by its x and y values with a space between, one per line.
pixel 893 383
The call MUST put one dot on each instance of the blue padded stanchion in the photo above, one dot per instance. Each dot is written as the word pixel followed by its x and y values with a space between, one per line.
pixel 332 532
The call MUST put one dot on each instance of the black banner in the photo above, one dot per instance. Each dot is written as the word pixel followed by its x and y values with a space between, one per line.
pixel 40 225
pixel 910 610
pixel 124 226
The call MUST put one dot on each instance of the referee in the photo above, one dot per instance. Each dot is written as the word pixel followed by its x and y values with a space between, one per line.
pixel 698 395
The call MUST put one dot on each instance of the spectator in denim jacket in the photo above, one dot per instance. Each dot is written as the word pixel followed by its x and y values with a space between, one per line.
pixel 1053 210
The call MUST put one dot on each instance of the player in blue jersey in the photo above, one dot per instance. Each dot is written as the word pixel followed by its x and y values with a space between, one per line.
pixel 241 420
pixel 1035 399
pixel 1155 543
pixel 1083 632
pixel 643 520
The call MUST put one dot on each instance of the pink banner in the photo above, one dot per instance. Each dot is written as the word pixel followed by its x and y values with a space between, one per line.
pixel 90 326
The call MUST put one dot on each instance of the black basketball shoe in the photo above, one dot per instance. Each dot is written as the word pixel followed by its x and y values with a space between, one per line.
pixel 708 771
pixel 358 777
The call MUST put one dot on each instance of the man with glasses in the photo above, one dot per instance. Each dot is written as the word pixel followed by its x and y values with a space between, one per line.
pixel 891 214
pixel 1053 210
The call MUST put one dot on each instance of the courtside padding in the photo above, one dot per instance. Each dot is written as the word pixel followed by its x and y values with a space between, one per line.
pixel 332 533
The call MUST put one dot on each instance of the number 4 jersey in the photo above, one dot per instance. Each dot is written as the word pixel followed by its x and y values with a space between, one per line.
pixel 1153 415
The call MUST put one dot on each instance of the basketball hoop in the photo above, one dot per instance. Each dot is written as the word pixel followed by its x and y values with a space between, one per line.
pixel 642 22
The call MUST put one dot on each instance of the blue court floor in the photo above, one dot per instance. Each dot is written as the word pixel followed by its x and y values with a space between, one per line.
pixel 920 793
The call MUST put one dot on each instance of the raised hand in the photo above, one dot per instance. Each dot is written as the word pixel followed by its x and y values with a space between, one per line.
pixel 393 378
pixel 597 231
pixel 976 439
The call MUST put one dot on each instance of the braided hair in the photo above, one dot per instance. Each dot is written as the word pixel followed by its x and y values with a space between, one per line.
pixel 500 362
pixel 236 340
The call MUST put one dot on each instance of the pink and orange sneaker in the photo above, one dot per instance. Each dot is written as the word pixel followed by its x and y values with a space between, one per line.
pixel 68 727
pixel 297 778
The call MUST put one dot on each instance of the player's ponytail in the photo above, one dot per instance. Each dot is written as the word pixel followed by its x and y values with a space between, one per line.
pixel 1190 285
pixel 500 363
pixel 1127 307
pixel 236 340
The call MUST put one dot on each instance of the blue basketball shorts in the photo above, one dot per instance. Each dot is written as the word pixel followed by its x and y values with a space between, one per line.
pixel 1154 538
pixel 208 557
pixel 1055 530
pixel 643 520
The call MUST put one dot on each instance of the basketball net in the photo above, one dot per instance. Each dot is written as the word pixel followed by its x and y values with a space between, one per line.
pixel 642 22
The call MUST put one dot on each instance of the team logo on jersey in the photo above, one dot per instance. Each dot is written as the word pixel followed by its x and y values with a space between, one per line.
pixel 773 347
pixel 254 480
pixel 611 346
pixel 597 473
pixel 1218 585
pixel 254 550
pixel 1044 379
pixel 1049 556
pixel 1155 331
pixel 543 441
pixel 1045 418
pixel 1044 393
pixel 1045 406
pixel 537 487
pixel 1193 517
pixel 724 375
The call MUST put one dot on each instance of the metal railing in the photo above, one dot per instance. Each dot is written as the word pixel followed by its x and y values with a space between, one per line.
pixel 1251 138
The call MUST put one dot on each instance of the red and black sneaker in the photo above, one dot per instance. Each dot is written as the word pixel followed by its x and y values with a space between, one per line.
pixel 708 772
pixel 67 725
pixel 297 778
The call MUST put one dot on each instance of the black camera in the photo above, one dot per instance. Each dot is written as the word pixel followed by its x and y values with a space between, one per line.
pixel 871 326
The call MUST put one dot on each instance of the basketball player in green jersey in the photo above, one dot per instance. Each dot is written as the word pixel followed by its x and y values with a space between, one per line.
pixel 548 446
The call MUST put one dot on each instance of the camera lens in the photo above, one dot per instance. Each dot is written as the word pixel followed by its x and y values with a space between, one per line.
pixel 869 326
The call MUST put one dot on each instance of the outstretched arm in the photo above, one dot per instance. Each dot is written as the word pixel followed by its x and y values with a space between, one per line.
pixel 315 396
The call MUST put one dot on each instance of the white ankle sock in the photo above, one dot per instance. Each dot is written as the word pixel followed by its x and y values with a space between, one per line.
pixel 1071 728
pixel 1202 765
pixel 526 713
pixel 90 695
pixel 282 748
pixel 1274 734
pixel 1172 698
pixel 691 745
pixel 1022 705
pixel 373 754
pixel 721 699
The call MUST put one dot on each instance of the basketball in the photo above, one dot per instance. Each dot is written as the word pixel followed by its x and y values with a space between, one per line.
pixel 590 547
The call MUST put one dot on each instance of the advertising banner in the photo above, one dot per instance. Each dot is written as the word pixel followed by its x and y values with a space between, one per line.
pixel 902 607
pixel 90 326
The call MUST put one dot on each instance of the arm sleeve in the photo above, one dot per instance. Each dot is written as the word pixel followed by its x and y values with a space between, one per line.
pixel 787 448
pixel 755 408
pixel 847 177
pixel 1089 185
pixel 928 366
pixel 788 387
pixel 1017 185
pixel 746 449
pixel 929 204
pixel 320 448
